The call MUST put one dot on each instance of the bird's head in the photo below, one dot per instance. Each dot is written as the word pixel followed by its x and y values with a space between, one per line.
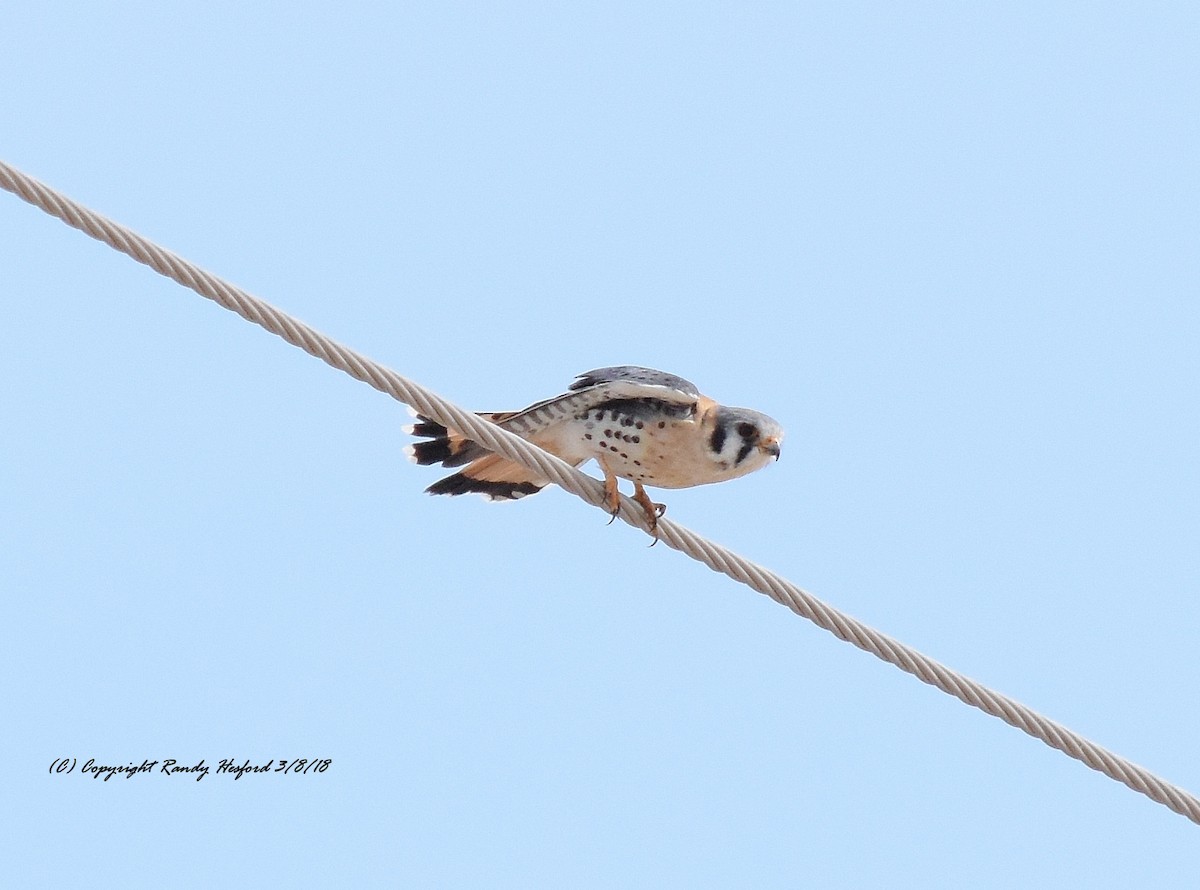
pixel 741 441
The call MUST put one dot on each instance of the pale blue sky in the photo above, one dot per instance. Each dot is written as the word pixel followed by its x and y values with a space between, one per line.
pixel 954 249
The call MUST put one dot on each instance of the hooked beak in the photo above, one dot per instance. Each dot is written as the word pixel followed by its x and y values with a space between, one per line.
pixel 771 446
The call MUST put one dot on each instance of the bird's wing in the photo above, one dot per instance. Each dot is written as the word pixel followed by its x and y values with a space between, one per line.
pixel 603 386
pixel 639 383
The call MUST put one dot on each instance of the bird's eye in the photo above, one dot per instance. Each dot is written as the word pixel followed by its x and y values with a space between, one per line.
pixel 747 430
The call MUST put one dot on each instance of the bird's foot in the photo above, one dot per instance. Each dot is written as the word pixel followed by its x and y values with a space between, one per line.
pixel 652 510
pixel 612 496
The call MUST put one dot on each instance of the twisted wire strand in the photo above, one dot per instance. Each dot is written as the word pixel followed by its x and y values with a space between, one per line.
pixel 676 536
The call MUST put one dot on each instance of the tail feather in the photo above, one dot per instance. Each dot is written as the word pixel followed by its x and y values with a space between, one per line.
pixel 445 446
pixel 488 474
pixel 461 483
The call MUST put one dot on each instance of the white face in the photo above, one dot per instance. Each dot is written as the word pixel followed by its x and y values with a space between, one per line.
pixel 741 441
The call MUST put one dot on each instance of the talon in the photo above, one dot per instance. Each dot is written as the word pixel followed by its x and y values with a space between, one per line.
pixel 651 509
pixel 653 516
pixel 612 496
pixel 653 520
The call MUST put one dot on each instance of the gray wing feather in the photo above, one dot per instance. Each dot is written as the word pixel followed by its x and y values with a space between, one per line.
pixel 653 381
pixel 600 386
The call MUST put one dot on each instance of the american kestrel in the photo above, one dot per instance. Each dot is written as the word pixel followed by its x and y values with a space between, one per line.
pixel 636 423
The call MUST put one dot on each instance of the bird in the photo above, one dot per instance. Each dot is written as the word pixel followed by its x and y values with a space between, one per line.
pixel 639 424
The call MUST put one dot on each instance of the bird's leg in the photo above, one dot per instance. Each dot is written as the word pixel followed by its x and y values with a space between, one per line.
pixel 653 510
pixel 612 495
